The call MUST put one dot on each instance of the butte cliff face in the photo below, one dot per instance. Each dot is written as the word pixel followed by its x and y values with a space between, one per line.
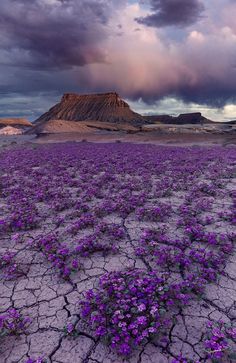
pixel 105 107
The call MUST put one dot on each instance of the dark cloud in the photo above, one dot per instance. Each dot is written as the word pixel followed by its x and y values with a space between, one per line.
pixel 179 13
pixel 214 94
pixel 47 34
pixel 211 94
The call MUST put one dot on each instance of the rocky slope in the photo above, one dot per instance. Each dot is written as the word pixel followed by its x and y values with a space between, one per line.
pixel 62 126
pixel 105 107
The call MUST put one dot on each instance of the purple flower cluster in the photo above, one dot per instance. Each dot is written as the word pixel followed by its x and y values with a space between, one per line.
pixel 13 323
pixel 85 221
pixel 7 264
pixel 111 230
pixel 65 260
pixel 155 214
pixel 20 220
pixel 102 240
pixel 194 262
pixel 57 254
pixel 131 306
pixel 181 359
pixel 9 267
pixel 91 244
pixel 216 344
pixel 37 360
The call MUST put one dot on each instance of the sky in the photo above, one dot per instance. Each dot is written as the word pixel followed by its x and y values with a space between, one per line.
pixel 162 56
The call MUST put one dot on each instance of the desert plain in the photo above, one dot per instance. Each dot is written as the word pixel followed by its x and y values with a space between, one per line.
pixel 127 207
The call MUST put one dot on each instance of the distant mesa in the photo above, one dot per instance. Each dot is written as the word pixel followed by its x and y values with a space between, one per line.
pixel 195 118
pixel 20 122
pixel 103 107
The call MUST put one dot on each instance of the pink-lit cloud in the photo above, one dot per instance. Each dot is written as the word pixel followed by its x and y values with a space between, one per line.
pixel 144 64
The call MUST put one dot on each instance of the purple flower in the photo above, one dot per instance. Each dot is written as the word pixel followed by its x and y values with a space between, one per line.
pixel 141 307
pixel 70 328
pixel 38 360
pixel 12 322
pixel 75 264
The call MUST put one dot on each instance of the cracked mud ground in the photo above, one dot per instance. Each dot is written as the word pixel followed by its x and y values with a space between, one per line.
pixel 51 302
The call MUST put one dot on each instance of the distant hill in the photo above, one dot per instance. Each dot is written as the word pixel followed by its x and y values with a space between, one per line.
pixel 104 107
pixel 22 122
pixel 230 122
pixel 182 119
pixel 9 130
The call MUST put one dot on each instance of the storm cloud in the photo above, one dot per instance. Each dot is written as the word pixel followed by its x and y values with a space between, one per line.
pixel 45 34
pixel 180 13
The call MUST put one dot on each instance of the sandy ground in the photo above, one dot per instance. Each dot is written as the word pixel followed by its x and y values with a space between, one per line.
pixel 100 136
pixel 7 141
pixel 152 137
pixel 104 136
